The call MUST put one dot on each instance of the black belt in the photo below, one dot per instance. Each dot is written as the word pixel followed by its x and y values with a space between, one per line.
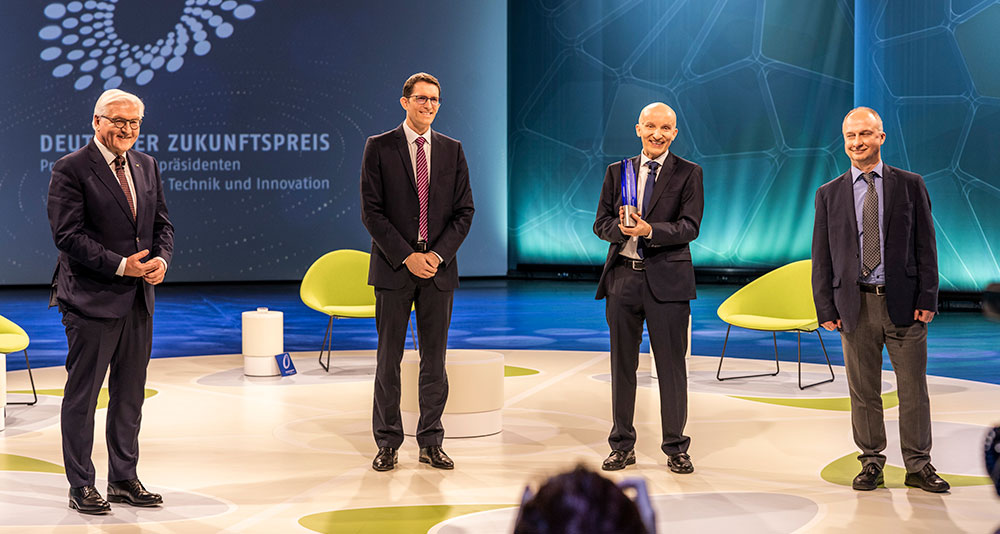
pixel 878 289
pixel 635 265
pixel 420 246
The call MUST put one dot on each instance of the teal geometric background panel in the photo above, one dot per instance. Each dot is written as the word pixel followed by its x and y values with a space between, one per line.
pixel 930 68
pixel 760 88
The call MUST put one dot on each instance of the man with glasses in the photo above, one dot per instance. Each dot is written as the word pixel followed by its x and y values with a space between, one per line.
pixel 110 224
pixel 875 280
pixel 417 205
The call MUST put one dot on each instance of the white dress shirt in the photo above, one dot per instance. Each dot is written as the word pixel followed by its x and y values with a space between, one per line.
pixel 629 250
pixel 411 144
pixel 110 157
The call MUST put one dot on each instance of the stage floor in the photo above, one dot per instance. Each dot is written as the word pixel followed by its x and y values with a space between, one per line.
pixel 293 454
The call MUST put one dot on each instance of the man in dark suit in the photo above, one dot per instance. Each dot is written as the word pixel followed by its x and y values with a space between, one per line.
pixel 107 213
pixel 875 279
pixel 417 205
pixel 648 276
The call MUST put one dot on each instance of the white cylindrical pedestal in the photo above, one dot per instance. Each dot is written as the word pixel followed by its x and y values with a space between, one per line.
pixel 475 393
pixel 263 339
pixel 687 355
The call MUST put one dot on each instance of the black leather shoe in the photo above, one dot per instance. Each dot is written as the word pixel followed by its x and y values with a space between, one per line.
pixel 385 460
pixel 869 478
pixel 435 456
pixel 86 500
pixel 680 463
pixel 618 459
pixel 928 480
pixel 132 492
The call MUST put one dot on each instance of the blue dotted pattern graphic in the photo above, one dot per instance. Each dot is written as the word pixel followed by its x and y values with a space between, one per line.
pixel 84 46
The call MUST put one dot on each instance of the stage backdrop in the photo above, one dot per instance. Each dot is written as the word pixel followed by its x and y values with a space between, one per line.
pixel 257 112
pixel 931 68
pixel 760 88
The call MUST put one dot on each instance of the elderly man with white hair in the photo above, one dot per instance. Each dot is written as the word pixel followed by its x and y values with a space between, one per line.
pixel 109 221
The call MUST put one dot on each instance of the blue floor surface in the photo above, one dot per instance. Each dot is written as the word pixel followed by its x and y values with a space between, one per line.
pixel 497 314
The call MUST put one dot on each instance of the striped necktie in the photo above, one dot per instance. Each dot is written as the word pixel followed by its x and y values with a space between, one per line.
pixel 123 182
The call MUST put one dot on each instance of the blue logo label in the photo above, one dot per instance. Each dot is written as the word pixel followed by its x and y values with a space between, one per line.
pixel 85 45
pixel 285 364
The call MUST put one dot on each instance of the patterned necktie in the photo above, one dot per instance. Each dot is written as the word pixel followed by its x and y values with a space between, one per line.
pixel 871 255
pixel 647 198
pixel 123 181
pixel 423 186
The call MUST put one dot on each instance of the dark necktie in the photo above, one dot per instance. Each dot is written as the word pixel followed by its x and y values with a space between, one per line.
pixel 423 186
pixel 123 181
pixel 871 255
pixel 647 198
pixel 647 191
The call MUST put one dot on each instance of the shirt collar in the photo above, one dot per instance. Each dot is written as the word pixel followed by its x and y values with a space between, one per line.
pixel 643 159
pixel 109 156
pixel 412 136
pixel 856 172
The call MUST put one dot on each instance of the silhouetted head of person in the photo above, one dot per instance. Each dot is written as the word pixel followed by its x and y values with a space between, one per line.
pixel 579 502
pixel 993 456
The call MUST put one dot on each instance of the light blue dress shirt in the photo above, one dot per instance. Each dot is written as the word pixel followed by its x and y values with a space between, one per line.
pixel 877 276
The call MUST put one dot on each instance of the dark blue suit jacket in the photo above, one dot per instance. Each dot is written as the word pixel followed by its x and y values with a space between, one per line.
pixel 675 214
pixel 911 272
pixel 391 212
pixel 93 229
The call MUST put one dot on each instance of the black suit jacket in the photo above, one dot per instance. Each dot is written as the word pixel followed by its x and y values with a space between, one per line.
pixel 391 212
pixel 675 215
pixel 911 273
pixel 93 228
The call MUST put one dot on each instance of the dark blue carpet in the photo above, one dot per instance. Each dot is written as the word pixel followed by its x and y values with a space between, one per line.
pixel 502 314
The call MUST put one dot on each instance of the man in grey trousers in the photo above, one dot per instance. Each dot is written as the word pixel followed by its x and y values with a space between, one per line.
pixel 875 279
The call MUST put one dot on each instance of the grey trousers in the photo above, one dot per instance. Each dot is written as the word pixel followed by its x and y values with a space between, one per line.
pixel 907 347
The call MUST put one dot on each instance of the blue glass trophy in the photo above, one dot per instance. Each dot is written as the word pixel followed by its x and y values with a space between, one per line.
pixel 629 192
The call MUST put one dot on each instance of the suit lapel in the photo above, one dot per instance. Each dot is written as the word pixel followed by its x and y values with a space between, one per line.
pixel 888 189
pixel 108 178
pixel 846 204
pixel 404 153
pixel 662 177
pixel 436 157
pixel 139 181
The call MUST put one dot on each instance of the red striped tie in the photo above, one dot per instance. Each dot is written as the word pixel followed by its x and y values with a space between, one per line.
pixel 423 186
pixel 123 181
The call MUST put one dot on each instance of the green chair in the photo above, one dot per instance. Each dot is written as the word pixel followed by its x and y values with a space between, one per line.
pixel 779 301
pixel 337 285
pixel 13 339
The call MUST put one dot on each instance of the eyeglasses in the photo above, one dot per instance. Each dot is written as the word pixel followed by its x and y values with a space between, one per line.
pixel 435 101
pixel 120 123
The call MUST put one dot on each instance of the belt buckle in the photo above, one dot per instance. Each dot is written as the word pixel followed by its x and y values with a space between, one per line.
pixel 879 290
pixel 421 246
pixel 637 265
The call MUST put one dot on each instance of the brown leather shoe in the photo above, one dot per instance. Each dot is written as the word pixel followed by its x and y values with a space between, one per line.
pixel 87 500
pixel 680 463
pixel 132 492
pixel 385 460
pixel 435 456
pixel 618 459
pixel 927 479
pixel 869 478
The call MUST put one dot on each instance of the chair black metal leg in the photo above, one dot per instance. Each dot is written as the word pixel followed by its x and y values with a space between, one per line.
pixel 414 335
pixel 34 392
pixel 828 364
pixel 327 346
pixel 718 373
